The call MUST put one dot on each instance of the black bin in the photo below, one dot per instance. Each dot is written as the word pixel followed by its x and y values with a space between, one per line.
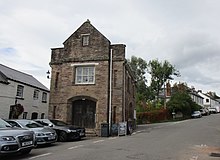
pixel 104 130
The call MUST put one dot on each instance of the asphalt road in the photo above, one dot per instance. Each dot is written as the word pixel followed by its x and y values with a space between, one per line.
pixel 194 139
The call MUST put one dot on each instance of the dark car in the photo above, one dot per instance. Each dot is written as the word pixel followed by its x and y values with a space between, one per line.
pixel 64 131
pixel 44 135
pixel 15 140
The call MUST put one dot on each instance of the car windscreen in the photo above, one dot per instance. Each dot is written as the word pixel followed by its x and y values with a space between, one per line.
pixel 30 124
pixel 58 123
pixel 4 124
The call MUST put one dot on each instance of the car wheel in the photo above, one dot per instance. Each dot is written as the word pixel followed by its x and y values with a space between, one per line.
pixel 76 136
pixel 63 136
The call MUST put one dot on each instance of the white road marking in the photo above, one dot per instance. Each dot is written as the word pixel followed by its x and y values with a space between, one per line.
pixel 98 141
pixel 194 158
pixel 180 121
pixel 74 147
pixel 41 155
pixel 113 138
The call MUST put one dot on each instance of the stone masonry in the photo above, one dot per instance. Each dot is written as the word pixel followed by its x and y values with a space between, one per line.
pixel 97 52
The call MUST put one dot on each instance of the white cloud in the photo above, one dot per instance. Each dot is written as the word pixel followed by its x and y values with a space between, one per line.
pixel 184 32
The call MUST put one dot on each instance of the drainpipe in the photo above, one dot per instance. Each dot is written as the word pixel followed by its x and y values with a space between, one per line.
pixel 110 93
pixel 124 104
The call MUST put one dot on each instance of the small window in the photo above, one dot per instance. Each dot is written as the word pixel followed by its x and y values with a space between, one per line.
pixel 85 40
pixel 34 115
pixel 207 100
pixel 57 80
pixel 54 111
pixel 115 77
pixel 25 115
pixel 42 115
pixel 128 84
pixel 36 94
pixel 85 75
pixel 20 90
pixel 44 97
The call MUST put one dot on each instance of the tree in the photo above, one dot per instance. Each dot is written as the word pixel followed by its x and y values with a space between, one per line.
pixel 181 101
pixel 160 72
pixel 139 67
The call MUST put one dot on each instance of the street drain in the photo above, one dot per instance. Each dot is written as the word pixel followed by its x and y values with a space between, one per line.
pixel 215 154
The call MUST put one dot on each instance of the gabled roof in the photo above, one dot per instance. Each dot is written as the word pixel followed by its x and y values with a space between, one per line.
pixel 86 25
pixel 3 78
pixel 7 73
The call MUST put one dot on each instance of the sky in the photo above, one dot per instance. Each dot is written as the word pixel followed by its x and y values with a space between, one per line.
pixel 184 32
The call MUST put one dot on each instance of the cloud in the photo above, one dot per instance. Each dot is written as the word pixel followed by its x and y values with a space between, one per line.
pixel 184 32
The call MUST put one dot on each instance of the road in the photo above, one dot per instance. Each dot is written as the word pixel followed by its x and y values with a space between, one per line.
pixel 194 139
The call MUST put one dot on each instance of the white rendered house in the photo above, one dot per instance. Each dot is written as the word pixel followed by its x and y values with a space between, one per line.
pixel 21 95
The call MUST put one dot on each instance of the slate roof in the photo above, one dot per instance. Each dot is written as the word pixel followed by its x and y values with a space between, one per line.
pixel 7 73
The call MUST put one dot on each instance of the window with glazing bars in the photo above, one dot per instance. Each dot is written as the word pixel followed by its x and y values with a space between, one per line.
pixel 85 75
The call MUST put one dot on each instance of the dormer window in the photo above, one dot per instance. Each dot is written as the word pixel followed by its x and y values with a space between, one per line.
pixel 85 40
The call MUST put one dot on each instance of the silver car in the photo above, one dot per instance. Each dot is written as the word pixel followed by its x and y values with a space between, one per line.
pixel 15 140
pixel 196 114
pixel 44 135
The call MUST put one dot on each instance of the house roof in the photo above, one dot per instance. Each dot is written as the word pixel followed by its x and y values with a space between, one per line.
pixel 3 79
pixel 86 25
pixel 7 73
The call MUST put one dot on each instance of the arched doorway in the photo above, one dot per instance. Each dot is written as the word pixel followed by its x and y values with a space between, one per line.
pixel 83 112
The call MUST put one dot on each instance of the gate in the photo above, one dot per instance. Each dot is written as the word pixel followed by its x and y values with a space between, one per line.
pixel 84 113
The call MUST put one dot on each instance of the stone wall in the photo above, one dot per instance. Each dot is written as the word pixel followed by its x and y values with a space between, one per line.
pixel 63 86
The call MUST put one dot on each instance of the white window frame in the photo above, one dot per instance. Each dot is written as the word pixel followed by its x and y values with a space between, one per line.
pixel 20 91
pixel 44 97
pixel 85 39
pixel 85 74
pixel 36 94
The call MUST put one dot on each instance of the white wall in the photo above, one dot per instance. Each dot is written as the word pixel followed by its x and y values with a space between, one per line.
pixel 7 98
pixel 198 100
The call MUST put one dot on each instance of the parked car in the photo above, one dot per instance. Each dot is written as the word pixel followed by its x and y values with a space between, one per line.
pixel 15 140
pixel 64 131
pixel 44 135
pixel 212 110
pixel 204 112
pixel 196 114
pixel 217 108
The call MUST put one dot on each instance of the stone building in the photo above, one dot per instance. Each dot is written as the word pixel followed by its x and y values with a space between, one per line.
pixel 91 82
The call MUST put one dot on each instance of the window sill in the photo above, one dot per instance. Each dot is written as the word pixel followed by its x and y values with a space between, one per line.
pixel 83 84
pixel 20 98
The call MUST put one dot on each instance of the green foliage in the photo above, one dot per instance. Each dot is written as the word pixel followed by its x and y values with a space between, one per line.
pixel 139 67
pixel 160 72
pixel 181 101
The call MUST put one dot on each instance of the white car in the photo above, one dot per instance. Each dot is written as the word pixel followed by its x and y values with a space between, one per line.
pixel 212 110
pixel 196 114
